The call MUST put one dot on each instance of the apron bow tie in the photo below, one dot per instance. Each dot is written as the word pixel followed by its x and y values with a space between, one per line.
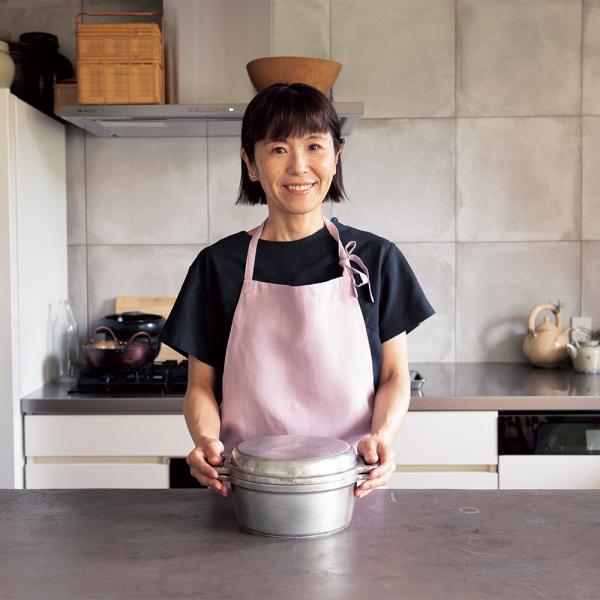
pixel 346 261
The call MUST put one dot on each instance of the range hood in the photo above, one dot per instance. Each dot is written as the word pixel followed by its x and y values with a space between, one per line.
pixel 177 120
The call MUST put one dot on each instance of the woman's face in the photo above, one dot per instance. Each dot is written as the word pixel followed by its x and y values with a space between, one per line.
pixel 280 165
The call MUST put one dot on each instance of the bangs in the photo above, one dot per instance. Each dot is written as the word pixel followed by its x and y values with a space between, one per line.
pixel 291 116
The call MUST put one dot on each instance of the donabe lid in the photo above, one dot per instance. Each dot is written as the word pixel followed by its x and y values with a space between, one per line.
pixel 292 457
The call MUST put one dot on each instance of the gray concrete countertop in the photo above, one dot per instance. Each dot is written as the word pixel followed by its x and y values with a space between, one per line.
pixel 448 386
pixel 160 544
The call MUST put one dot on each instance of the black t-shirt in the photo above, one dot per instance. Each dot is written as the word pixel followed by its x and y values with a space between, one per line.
pixel 201 318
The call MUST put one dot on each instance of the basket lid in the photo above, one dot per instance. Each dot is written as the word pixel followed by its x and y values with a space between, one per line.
pixel 292 456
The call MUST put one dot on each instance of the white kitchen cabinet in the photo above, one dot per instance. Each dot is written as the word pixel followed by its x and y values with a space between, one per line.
pixel 97 451
pixel 447 449
pixel 434 450
pixel 33 262
pixel 106 435
pixel 549 472
pixel 78 475
pixel 441 479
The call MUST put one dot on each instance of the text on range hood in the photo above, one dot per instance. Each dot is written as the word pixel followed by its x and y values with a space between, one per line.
pixel 177 120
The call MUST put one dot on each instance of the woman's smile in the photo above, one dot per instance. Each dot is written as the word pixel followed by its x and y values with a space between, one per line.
pixel 300 189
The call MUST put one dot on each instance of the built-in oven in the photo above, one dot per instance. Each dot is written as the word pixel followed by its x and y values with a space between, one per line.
pixel 180 476
pixel 549 450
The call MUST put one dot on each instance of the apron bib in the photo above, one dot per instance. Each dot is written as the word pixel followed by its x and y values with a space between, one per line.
pixel 298 359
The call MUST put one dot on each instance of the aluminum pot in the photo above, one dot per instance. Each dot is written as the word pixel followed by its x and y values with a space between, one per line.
pixel 292 485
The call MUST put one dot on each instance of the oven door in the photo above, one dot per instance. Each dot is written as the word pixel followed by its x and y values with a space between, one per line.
pixel 550 450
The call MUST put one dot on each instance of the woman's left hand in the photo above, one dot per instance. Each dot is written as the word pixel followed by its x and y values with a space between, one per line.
pixel 373 449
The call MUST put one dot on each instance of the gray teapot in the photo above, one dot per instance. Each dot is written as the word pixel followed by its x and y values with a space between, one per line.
pixel 585 355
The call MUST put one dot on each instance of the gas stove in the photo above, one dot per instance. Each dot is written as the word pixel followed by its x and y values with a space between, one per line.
pixel 157 378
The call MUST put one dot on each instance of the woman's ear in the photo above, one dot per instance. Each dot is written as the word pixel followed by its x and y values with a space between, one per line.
pixel 339 153
pixel 251 169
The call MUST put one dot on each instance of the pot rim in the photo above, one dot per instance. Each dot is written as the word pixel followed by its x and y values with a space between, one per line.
pixel 297 488
pixel 359 471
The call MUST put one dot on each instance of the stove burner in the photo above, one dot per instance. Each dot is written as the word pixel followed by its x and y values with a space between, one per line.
pixel 158 378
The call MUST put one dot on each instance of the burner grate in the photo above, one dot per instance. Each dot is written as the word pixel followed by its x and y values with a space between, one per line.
pixel 157 378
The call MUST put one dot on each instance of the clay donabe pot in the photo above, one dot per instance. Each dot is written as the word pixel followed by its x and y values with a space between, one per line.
pixel 114 355
pixel 125 324
pixel 293 485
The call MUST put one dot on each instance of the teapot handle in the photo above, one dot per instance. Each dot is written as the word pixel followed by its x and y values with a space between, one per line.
pixel 534 313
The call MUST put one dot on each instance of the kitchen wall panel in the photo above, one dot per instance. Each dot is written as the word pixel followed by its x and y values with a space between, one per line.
pixel 211 43
pixel 146 191
pixel 518 58
pixel 591 179
pixel 77 256
pixel 590 280
pixel 591 57
pixel 300 28
pixel 496 286
pixel 399 175
pixel 76 205
pixel 398 57
pixel 518 179
pixel 435 267
pixel 134 271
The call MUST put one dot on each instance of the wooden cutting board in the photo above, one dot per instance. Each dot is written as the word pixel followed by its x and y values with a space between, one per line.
pixel 157 305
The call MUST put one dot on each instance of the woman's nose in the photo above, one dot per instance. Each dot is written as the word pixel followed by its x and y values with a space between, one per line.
pixel 298 162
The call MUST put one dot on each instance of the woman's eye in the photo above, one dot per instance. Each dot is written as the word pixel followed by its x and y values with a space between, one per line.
pixel 276 149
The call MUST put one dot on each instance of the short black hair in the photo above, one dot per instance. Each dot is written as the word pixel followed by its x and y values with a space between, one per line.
pixel 285 110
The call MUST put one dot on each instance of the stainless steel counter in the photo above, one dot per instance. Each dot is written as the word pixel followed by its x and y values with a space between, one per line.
pixel 448 386
pixel 157 544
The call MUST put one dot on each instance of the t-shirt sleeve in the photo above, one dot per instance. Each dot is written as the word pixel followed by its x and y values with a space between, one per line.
pixel 403 304
pixel 190 327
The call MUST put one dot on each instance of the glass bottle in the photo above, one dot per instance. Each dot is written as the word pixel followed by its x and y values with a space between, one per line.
pixel 66 343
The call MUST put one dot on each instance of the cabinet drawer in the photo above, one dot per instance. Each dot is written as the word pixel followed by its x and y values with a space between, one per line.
pixel 448 438
pixel 106 435
pixel 549 472
pixel 444 480
pixel 96 475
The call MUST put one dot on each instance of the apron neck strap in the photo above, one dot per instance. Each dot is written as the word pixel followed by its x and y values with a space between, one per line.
pixel 251 256
pixel 345 253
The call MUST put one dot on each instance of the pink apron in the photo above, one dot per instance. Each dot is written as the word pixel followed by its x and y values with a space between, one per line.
pixel 298 359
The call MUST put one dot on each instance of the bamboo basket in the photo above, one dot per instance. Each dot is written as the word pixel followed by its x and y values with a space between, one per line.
pixel 120 63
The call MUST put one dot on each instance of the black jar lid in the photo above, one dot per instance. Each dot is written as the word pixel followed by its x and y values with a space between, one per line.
pixel 40 38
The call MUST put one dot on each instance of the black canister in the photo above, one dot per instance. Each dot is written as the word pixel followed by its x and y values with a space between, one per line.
pixel 51 66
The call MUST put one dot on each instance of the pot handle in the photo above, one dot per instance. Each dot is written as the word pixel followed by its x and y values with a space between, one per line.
pixel 223 471
pixel 138 334
pixel 363 469
pixel 104 329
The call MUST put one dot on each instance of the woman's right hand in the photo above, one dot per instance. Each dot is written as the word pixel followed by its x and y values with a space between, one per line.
pixel 208 452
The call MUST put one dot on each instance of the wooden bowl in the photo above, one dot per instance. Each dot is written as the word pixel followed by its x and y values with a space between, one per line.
pixel 318 72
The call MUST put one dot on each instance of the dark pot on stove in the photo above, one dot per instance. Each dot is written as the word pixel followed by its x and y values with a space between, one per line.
pixel 126 324
pixel 110 355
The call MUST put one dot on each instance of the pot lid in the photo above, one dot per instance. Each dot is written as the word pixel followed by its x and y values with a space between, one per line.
pixel 293 456
pixel 134 316
pixel 39 37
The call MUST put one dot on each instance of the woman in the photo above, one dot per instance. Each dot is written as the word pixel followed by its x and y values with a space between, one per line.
pixel 286 329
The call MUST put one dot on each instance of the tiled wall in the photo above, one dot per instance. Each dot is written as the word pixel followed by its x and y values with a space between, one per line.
pixel 478 154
